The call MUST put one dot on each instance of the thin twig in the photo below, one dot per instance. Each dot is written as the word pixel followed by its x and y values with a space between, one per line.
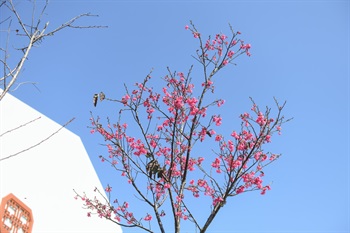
pixel 19 84
pixel 31 147
pixel 11 130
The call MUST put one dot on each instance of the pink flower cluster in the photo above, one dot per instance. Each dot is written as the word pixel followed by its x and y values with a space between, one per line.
pixel 221 48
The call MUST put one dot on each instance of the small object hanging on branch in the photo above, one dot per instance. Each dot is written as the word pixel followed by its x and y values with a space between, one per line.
pixel 162 174
pixel 94 100
pixel 152 167
pixel 149 155
pixel 102 96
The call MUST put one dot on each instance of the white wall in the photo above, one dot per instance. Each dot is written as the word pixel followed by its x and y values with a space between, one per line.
pixel 45 176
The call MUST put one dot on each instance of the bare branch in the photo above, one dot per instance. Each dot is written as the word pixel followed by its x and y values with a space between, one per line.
pixel 27 123
pixel 37 144
pixel 69 24
pixel 13 9
pixel 18 68
pixel 20 84
pixel 5 19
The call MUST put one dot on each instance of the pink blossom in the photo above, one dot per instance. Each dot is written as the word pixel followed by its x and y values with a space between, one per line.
pixel 201 183
pixel 218 138
pixel 279 130
pixel 261 119
pixel 178 199
pixel 230 54
pixel 267 187
pixel 126 205
pixel 220 102
pixel 209 46
pixel 273 157
pixel 191 101
pixel 240 189
pixel 178 213
pixel 258 182
pixel 216 163
pixel 219 51
pixel 125 99
pixel 242 146
pixel 208 83
pixel 217 200
pixel 200 160
pixel 268 138
pixel 148 217
pixel 212 132
pixel 179 102
pixel 217 120
pixel 235 135
pixel 223 37
pixel 203 112
pixel 196 34
pixel 153 143
pixel 202 134
pixel 231 146
pixel 186 27
pixel 235 164
pixel 257 155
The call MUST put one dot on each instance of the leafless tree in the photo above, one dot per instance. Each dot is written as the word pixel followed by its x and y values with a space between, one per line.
pixel 32 33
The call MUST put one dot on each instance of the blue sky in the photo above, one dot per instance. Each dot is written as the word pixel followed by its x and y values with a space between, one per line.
pixel 300 53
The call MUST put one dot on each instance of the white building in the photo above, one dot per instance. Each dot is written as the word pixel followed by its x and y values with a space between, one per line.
pixel 44 177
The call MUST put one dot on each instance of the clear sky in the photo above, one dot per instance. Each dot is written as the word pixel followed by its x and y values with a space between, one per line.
pixel 300 53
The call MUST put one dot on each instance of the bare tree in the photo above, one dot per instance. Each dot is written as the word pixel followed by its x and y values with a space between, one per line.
pixel 33 34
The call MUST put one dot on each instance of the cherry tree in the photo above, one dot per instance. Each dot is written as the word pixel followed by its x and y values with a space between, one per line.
pixel 157 145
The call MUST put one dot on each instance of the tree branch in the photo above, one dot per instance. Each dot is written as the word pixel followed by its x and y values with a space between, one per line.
pixel 11 130
pixel 37 144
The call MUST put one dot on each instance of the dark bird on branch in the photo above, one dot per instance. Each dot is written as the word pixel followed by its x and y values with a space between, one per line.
pixel 152 167
pixel 94 99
